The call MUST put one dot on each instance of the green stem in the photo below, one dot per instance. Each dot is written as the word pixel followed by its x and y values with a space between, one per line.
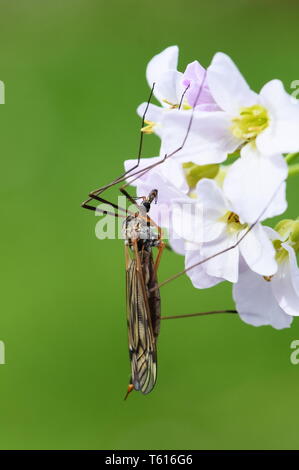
pixel 294 169
pixel 235 154
pixel 291 156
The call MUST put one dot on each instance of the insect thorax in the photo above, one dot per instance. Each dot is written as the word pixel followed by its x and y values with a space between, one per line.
pixel 138 228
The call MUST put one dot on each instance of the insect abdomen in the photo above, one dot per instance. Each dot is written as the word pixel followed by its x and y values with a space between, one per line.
pixel 143 322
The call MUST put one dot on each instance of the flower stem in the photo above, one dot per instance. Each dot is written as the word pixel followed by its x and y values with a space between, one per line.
pixel 291 156
pixel 294 169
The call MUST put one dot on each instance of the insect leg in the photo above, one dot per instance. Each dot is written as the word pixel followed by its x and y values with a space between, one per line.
pixel 139 173
pixel 86 204
pixel 127 258
pixel 128 196
pixel 102 211
pixel 171 154
pixel 130 389
pixel 121 178
pixel 142 172
pixel 172 317
pixel 158 259
pixel 225 250
pixel 137 257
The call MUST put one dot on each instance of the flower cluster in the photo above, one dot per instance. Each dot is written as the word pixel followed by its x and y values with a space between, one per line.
pixel 224 155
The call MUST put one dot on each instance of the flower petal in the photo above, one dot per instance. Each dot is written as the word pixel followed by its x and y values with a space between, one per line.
pixel 282 135
pixel 143 164
pixel 254 183
pixel 154 114
pixel 227 85
pixel 198 275
pixel 256 304
pixel 272 234
pixel 177 243
pixel 187 219
pixel 209 139
pixel 170 170
pixel 258 251
pixel 161 64
pixel 285 283
pixel 198 93
pixel 221 265
pixel 214 207
pixel 169 88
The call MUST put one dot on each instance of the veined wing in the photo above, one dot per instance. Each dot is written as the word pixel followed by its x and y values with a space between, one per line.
pixel 142 340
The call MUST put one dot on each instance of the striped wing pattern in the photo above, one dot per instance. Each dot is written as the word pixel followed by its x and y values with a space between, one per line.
pixel 142 336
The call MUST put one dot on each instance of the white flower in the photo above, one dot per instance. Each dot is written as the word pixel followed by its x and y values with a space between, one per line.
pixel 221 229
pixel 262 125
pixel 203 117
pixel 270 300
pixel 253 181
pixel 209 138
pixel 270 119
pixel 162 70
pixel 174 89
pixel 167 177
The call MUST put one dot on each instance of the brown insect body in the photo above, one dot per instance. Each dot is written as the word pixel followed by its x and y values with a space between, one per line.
pixel 143 317
pixel 143 301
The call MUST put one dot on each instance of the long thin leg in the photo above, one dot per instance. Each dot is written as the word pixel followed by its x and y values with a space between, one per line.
pixel 86 205
pixel 102 211
pixel 121 178
pixel 183 96
pixel 166 156
pixel 201 314
pixel 138 263
pixel 128 196
pixel 95 194
pixel 158 259
pixel 105 201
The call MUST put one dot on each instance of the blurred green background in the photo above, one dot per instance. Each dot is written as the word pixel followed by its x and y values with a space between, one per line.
pixel 74 72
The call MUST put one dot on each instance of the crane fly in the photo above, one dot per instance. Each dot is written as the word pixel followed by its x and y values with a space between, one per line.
pixel 141 236
pixel 143 296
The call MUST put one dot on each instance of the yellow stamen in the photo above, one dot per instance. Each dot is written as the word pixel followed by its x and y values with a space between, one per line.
pixel 233 222
pixel 185 106
pixel 172 105
pixel 149 128
pixel 250 122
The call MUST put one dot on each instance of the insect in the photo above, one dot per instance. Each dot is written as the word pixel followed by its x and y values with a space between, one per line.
pixel 142 236
pixel 143 295
pixel 143 302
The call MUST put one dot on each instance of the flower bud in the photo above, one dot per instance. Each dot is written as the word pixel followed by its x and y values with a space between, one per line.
pixel 289 231
pixel 194 173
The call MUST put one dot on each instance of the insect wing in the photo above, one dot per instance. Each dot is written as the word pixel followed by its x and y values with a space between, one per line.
pixel 142 341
